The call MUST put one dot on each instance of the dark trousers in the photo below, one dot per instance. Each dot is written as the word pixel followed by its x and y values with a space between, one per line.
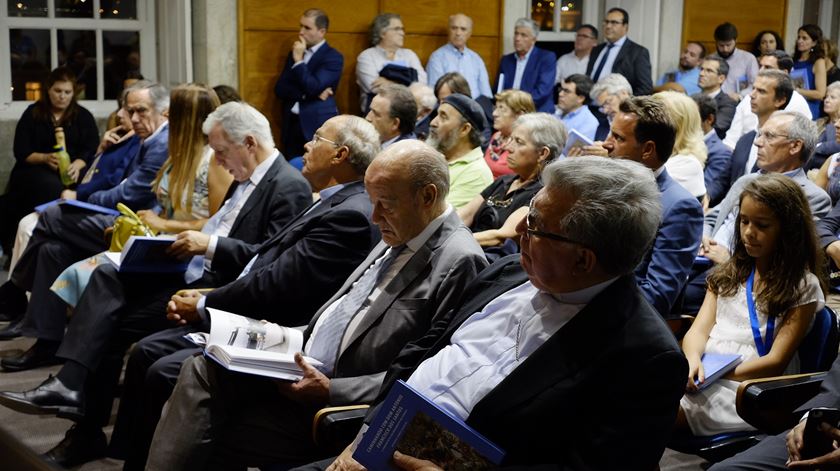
pixel 769 455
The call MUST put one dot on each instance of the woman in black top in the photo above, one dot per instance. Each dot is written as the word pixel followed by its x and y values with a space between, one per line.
pixel 536 139
pixel 35 179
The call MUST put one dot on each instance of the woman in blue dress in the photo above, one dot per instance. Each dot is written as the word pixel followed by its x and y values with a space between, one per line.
pixel 810 59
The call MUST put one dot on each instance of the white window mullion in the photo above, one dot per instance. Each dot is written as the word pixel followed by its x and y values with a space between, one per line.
pixel 100 66
pixel 53 47
pixel 96 8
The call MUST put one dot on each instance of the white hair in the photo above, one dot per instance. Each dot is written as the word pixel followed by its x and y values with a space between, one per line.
pixel 528 23
pixel 240 120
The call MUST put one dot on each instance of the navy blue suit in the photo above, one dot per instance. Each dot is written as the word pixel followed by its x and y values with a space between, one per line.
pixel 663 272
pixel 716 173
pixel 740 157
pixel 303 84
pixel 538 79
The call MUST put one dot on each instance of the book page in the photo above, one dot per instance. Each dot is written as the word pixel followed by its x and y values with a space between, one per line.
pixel 238 331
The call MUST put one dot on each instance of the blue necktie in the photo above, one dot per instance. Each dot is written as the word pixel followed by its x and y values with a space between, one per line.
pixel 325 345
pixel 196 267
pixel 603 61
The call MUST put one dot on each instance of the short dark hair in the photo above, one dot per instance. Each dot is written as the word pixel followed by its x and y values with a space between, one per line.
pixel 706 105
pixel 783 84
pixel 785 62
pixel 322 21
pixel 590 27
pixel 653 123
pixel 583 85
pixel 456 82
pixel 624 14
pixel 702 48
pixel 726 32
pixel 402 106
pixel 723 66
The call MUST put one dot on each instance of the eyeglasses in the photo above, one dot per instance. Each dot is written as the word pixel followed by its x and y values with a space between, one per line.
pixel 613 22
pixel 316 138
pixel 768 135
pixel 530 231
pixel 584 36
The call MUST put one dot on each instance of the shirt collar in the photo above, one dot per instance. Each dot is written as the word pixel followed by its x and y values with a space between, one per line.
pixel 620 41
pixel 455 49
pixel 658 172
pixel 582 296
pixel 470 156
pixel 415 243
pixel 155 134
pixel 709 134
pixel 261 169
pixel 527 54
pixel 328 192
pixel 575 112
pixel 389 141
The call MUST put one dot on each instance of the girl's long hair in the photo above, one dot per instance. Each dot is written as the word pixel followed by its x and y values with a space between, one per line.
pixel 797 248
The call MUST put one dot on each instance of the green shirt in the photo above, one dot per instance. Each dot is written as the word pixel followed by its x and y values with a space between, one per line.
pixel 468 176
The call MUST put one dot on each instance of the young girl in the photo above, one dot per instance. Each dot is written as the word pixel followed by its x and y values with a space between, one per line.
pixel 777 255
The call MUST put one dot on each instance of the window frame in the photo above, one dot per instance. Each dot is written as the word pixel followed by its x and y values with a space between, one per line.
pixel 588 14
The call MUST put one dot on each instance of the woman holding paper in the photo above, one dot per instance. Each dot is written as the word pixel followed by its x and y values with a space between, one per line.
pixel 809 62
pixel 760 304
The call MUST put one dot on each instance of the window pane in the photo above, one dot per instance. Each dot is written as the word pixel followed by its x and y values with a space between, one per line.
pixel 37 8
pixel 122 60
pixel 30 62
pixel 77 50
pixel 118 9
pixel 570 15
pixel 542 11
pixel 74 8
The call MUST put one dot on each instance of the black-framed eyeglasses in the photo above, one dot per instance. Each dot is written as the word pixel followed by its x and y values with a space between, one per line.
pixel 530 231
pixel 613 22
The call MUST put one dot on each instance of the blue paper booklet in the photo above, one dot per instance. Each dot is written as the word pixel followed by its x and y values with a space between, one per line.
pixel 576 139
pixel 147 255
pixel 715 365
pixel 414 425
pixel 79 204
pixel 800 79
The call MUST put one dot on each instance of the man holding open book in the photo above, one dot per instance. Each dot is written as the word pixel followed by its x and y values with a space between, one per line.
pixel 408 282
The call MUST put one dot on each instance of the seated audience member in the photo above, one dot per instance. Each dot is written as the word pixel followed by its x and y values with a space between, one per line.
pixel 766 42
pixel 424 98
pixel 585 328
pixel 828 230
pixel 608 93
pixel 713 72
pixel 620 55
pixel 576 60
pixel 65 234
pixel 745 120
pixel 449 83
pixel 573 104
pixel 783 452
pixel 688 70
pixel 743 68
pixel 455 56
pixel 188 188
pixel 427 256
pixel 775 280
pixel 685 165
pixel 809 59
pixel 529 68
pixel 784 142
pixel 718 156
pixel 643 131
pixel 456 132
pixel 536 139
pixel 386 36
pixel 226 93
pixel 828 143
pixel 510 105
pixel 393 113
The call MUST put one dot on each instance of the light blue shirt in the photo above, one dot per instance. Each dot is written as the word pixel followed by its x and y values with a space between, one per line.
pixel 581 120
pixel 613 53
pixel 468 63
pixel 687 79
pixel 521 62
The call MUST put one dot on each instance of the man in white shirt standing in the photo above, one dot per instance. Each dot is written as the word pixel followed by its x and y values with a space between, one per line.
pixel 455 56
pixel 575 62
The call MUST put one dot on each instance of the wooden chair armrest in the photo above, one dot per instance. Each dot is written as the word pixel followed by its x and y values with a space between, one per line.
pixel 768 403
pixel 325 412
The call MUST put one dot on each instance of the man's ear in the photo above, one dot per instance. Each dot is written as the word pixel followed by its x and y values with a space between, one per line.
pixel 649 152
pixel 796 147
pixel 341 155
pixel 586 261
pixel 428 195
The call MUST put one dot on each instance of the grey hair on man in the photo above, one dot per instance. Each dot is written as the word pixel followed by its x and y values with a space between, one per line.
pixel 612 84
pixel 157 92
pixel 380 22
pixel 528 23
pixel 240 120
pixel 424 96
pixel 545 131
pixel 800 129
pixel 361 138
pixel 615 200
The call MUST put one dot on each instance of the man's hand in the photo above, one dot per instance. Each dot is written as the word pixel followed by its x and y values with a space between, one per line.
pixel 715 252
pixel 828 461
pixel 313 388
pixel 51 161
pixel 182 308
pixel 410 463
pixel 298 48
pixel 68 194
pixel 110 138
pixel 345 461
pixel 189 243
pixel 328 92
pixel 75 169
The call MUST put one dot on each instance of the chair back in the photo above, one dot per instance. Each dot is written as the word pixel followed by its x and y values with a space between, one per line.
pixel 819 348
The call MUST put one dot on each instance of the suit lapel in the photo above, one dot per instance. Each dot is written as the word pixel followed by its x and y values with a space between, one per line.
pixel 256 195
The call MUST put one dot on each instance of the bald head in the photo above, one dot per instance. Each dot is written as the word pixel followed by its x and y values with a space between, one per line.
pixel 460 30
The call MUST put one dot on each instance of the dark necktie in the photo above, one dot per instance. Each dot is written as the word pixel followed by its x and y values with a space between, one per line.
pixel 603 61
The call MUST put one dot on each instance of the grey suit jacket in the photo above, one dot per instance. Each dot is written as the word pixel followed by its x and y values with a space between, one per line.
pixel 428 286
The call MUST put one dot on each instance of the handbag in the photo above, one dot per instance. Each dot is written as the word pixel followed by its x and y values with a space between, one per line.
pixel 126 225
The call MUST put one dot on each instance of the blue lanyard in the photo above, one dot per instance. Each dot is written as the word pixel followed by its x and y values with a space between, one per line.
pixel 763 346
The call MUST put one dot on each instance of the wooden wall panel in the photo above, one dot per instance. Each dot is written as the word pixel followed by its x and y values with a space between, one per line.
pixel 700 17
pixel 267 29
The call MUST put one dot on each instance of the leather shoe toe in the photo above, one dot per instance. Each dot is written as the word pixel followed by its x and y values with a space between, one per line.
pixel 35 357
pixel 78 447
pixel 12 331
pixel 51 397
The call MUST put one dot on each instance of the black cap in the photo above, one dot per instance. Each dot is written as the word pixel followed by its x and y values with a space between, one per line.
pixel 469 109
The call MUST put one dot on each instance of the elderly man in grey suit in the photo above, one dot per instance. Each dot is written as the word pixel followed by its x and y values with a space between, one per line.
pixel 411 279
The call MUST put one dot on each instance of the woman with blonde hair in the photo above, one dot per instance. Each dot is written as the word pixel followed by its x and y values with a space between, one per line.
pixel 685 165
pixel 510 105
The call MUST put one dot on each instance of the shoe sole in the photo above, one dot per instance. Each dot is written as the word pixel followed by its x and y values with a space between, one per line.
pixel 72 413
pixel 12 368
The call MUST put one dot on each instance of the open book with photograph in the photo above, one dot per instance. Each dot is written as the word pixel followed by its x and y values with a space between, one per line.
pixel 144 254
pixel 250 346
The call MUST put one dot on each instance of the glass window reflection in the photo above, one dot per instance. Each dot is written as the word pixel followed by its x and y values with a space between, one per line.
pixel 29 61
pixel 74 8
pixel 27 8
pixel 118 9
pixel 122 60
pixel 77 50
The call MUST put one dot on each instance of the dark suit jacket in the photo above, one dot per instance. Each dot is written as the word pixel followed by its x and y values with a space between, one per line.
pixel 632 61
pixel 304 83
pixel 740 157
pixel 568 385
pixel 724 114
pixel 829 226
pixel 429 284
pixel 538 79
pixel 281 195
pixel 301 265
pixel 716 173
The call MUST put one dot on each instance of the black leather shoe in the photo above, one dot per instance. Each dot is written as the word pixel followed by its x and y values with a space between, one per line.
pixel 12 331
pixel 77 447
pixel 35 357
pixel 51 397
pixel 13 301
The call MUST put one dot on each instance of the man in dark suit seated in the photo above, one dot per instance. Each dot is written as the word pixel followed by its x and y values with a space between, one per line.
pixel 407 283
pixel 716 172
pixel 539 344
pixel 713 72
pixel 308 83
pixel 529 68
pixel 620 55
pixel 117 310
